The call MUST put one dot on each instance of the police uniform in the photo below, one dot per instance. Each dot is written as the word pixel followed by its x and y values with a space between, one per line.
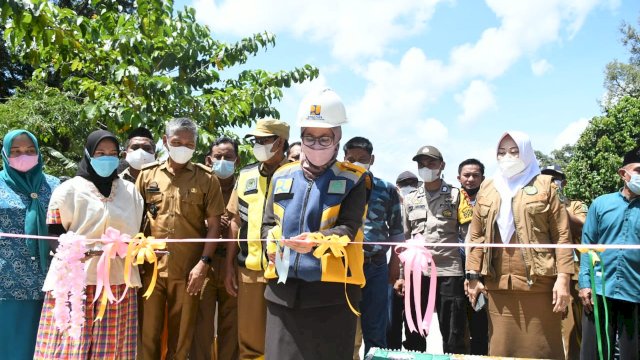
pixel 177 206
pixel 435 217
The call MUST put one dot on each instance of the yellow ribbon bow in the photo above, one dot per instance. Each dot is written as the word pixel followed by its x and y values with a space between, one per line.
pixel 143 248
pixel 593 251
pixel 336 244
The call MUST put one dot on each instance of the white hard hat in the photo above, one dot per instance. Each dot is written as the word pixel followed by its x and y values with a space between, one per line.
pixel 322 109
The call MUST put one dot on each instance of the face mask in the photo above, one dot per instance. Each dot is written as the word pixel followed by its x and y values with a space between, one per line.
pixel 23 163
pixel 180 154
pixel 405 190
pixel 318 157
pixel 366 166
pixel 429 175
pixel 104 166
pixel 472 192
pixel 634 183
pixel 138 158
pixel 511 166
pixel 223 168
pixel 263 152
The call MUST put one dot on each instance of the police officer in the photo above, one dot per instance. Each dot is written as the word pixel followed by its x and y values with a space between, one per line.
pixel 182 201
pixel 432 211
pixel 270 138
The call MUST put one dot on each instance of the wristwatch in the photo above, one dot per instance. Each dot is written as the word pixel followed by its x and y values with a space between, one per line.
pixel 472 276
pixel 206 260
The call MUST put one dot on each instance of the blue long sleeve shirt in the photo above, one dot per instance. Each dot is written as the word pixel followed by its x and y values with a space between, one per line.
pixel 613 220
pixel 384 217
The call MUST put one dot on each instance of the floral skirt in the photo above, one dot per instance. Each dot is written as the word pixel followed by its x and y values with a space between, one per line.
pixel 113 337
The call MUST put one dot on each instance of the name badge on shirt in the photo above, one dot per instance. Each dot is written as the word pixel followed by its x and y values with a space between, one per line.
pixel 337 186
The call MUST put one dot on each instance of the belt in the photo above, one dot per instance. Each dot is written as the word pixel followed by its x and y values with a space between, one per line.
pixel 378 258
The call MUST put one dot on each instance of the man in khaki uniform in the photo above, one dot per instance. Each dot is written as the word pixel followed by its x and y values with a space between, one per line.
pixel 247 206
pixel 223 159
pixel 432 211
pixel 577 211
pixel 181 198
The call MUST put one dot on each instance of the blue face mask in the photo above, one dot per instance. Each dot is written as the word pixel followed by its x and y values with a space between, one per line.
pixel 223 168
pixel 634 183
pixel 104 166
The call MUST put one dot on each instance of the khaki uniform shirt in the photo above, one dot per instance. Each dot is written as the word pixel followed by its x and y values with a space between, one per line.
pixel 436 218
pixel 126 175
pixel 176 207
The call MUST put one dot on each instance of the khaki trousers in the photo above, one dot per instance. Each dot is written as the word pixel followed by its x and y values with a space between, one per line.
pixel 252 313
pixel 225 332
pixel 181 311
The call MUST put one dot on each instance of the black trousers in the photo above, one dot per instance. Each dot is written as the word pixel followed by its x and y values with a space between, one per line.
pixel 451 305
pixel 478 330
pixel 394 327
pixel 623 326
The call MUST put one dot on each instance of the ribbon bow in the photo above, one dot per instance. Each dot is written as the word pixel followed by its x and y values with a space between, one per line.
pixel 337 246
pixel 594 258
pixel 143 249
pixel 115 245
pixel 417 259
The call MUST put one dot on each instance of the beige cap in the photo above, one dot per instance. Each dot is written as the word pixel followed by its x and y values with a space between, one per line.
pixel 270 127
pixel 429 151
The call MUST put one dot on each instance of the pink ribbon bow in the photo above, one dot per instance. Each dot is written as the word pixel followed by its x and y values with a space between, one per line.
pixel 417 259
pixel 115 245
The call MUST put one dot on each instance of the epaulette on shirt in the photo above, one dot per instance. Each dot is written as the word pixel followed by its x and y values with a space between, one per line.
pixel 152 164
pixel 204 167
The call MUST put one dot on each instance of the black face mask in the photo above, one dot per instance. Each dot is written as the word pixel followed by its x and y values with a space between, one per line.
pixel 472 192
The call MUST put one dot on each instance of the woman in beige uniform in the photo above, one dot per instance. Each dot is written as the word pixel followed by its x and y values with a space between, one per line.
pixel 527 289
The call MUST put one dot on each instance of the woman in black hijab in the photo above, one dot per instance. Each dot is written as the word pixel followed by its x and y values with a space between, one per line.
pixel 89 204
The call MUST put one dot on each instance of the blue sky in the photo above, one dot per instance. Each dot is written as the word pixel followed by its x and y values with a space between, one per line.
pixel 453 74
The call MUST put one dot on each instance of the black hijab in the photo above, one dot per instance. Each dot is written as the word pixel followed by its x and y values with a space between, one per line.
pixel 85 169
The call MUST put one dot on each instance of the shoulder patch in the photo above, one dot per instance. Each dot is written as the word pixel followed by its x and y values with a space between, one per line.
pixel 530 190
pixel 349 166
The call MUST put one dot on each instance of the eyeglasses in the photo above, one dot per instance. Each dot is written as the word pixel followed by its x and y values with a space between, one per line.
pixel 262 140
pixel 324 141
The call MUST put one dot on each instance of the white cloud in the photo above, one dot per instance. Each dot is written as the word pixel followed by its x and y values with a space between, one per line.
pixel 475 100
pixel 540 67
pixel 571 133
pixel 353 29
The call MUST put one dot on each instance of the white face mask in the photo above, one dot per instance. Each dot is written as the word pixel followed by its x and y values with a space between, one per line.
pixel 405 190
pixel 366 166
pixel 138 158
pixel 180 154
pixel 263 152
pixel 429 175
pixel 511 166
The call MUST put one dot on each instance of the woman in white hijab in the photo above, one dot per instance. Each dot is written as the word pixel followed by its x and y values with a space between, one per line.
pixel 527 289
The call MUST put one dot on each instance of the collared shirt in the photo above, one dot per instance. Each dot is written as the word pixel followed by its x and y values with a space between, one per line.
pixel 384 217
pixel 126 175
pixel 614 220
pixel 435 216
pixel 177 206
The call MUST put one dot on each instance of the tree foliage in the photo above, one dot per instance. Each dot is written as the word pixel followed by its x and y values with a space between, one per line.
pixel 53 117
pixel 147 66
pixel 623 79
pixel 598 153
pixel 560 157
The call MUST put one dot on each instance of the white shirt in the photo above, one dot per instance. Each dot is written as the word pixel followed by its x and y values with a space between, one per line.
pixel 86 212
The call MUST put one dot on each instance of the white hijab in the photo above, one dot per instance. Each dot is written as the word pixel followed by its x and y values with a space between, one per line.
pixel 508 187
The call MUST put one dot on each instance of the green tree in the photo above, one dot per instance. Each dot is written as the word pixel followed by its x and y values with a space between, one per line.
pixel 53 117
pixel 543 159
pixel 598 153
pixel 562 157
pixel 144 67
pixel 623 79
